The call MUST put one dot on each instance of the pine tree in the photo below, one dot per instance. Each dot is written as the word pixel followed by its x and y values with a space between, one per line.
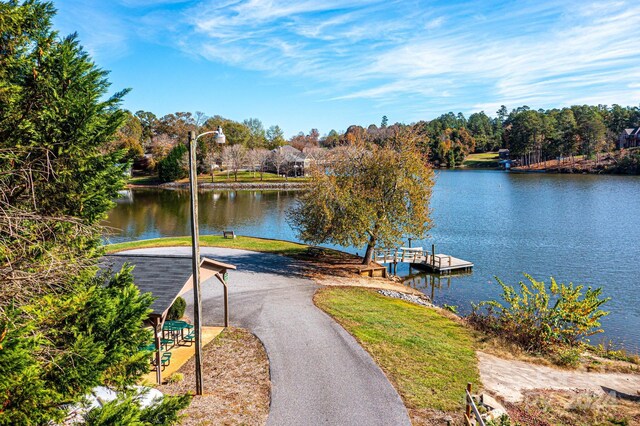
pixel 63 328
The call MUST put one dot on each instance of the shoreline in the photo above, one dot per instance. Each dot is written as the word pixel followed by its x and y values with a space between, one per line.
pixel 280 186
pixel 298 186
pixel 549 170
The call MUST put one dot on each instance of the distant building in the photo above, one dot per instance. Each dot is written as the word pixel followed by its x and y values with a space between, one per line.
pixel 503 154
pixel 629 138
pixel 293 162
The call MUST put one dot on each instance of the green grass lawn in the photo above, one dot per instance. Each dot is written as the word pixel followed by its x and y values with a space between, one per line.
pixel 429 357
pixel 144 180
pixel 247 177
pixel 482 160
pixel 240 242
pixel 221 177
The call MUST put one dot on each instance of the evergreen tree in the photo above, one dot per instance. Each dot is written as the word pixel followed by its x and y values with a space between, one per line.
pixel 275 137
pixel 171 168
pixel 63 329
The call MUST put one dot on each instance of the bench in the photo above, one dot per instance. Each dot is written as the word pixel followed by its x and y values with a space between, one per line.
pixel 165 360
pixel 373 271
pixel 228 234
pixel 189 339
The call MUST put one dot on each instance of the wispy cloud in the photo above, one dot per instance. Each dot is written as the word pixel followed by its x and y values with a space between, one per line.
pixel 460 56
pixel 535 52
pixel 435 23
pixel 103 34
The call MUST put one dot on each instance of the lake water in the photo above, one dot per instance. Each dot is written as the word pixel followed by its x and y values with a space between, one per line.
pixel 580 228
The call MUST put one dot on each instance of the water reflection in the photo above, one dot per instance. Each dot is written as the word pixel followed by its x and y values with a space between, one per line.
pixel 432 285
pixel 152 213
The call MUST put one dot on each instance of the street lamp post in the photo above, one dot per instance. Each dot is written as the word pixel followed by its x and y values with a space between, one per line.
pixel 195 248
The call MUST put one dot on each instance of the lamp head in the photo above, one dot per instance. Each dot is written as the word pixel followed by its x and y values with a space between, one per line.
pixel 219 137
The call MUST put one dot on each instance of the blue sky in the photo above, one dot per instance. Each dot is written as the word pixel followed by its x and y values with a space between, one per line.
pixel 328 64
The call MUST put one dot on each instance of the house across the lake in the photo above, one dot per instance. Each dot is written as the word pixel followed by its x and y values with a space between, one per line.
pixel 290 161
pixel 629 138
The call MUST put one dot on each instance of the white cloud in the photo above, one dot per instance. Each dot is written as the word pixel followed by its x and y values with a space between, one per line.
pixel 463 56
pixel 435 23
pixel 101 33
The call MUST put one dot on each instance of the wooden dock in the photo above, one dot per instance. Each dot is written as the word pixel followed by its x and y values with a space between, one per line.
pixel 423 259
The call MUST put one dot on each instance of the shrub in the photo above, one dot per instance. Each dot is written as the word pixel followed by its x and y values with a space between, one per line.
pixel 609 351
pixel 503 420
pixel 127 411
pixel 171 168
pixel 569 357
pixel 450 308
pixel 628 162
pixel 176 311
pixel 540 319
pixel 175 378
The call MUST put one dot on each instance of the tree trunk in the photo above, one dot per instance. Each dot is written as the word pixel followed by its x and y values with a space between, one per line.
pixel 368 255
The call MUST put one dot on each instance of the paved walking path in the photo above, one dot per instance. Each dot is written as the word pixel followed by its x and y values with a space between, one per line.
pixel 319 374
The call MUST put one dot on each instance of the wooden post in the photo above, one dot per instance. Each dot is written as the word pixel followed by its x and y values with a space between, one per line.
pixel 226 304
pixel 433 256
pixel 468 409
pixel 195 260
pixel 157 331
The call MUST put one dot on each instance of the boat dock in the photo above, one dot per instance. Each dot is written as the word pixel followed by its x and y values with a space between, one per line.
pixel 423 259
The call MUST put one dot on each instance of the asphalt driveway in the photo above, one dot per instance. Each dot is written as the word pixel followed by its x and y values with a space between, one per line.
pixel 320 375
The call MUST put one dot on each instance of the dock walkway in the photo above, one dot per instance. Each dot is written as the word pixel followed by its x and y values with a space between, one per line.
pixel 423 259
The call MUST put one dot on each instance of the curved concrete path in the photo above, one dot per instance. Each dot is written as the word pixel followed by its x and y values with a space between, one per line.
pixel 319 374
pixel 509 379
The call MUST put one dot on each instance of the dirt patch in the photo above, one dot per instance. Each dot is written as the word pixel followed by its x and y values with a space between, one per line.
pixel 330 262
pixel 237 386
pixel 428 417
pixel 575 408
pixel 510 379
pixel 334 268
pixel 356 281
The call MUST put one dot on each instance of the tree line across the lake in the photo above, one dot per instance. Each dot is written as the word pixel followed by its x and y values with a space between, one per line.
pixel 446 140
